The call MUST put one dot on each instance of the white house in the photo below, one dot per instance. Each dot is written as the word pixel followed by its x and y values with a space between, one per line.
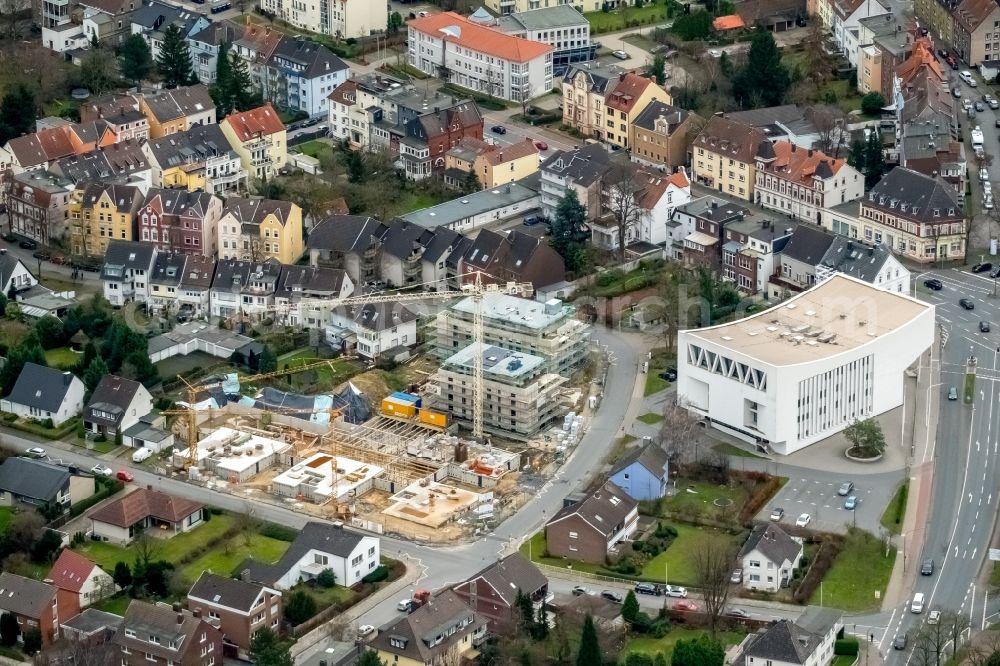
pixel 794 374
pixel 319 546
pixel 379 327
pixel 14 274
pixel 478 57
pixel 45 393
pixel 126 271
pixel 79 578
pixel 116 405
pixel 808 641
pixel 341 18
pixel 769 558
pixel 656 196
pixel 800 183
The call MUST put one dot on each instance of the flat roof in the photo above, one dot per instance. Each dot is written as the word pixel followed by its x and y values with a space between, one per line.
pixel 524 312
pixel 196 330
pixel 840 314
pixel 497 362
pixel 470 205
pixel 545 18
pixel 329 475
pixel 243 450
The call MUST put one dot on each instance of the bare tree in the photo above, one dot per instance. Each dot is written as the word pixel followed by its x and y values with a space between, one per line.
pixel 831 126
pixel 145 549
pixel 712 560
pixel 985 645
pixel 78 653
pixel 955 624
pixel 12 13
pixel 622 191
pixel 678 431
pixel 669 307
pixel 247 523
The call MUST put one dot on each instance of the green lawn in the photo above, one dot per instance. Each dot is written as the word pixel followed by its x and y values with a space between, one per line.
pixel 697 497
pixel 843 660
pixel 619 20
pixel 896 509
pixel 223 561
pixel 674 565
pixel 665 645
pixel 650 419
pixel 327 596
pixel 534 548
pixel 6 515
pixel 63 358
pixel 315 148
pixel 970 388
pixel 117 604
pixel 730 450
pixel 654 383
pixel 324 377
pixel 861 569
pixel 411 201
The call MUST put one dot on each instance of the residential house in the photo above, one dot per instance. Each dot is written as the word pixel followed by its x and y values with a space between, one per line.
pixel 257 229
pixel 257 293
pixel 116 404
pixel 562 27
pixel 14 274
pixel 809 641
pixel 91 626
pixel 106 20
pixel 697 232
pixel 258 136
pixel 26 481
pixel 100 216
pixel 164 282
pixel 646 199
pixel 459 161
pixel 311 282
pixel 80 583
pixel 506 164
pixel 299 75
pixel 42 393
pixel 582 170
pixel 505 7
pixel 173 220
pixel 724 157
pixel 255 46
pixel 789 122
pixel 123 519
pixel 205 46
pixel 317 547
pixel 518 70
pixel 935 16
pixel 493 591
pixel 125 274
pixel 196 159
pixel 36 205
pixel 342 18
pixel 152 18
pixel 661 134
pixel 875 264
pixel 239 608
pixel 603 104
pixel 345 118
pixel 196 286
pixel 379 327
pixel 422 143
pixel 751 250
pixel 841 17
pixel 804 250
pixel 443 631
pixel 800 183
pixel 177 110
pixel 885 42
pixel 769 558
pixel 591 529
pixel 157 635
pixel 122 163
pixel 976 26
pixel 643 473
pixel 514 257
pixel 230 279
pixel 332 241
pixel 121 113
pixel 33 603
pixel 40 150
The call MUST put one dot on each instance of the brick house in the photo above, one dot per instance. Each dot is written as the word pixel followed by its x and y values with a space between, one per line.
pixel 590 529
pixel 151 635
pixel 493 591
pixel 238 608
pixel 516 257
pixel 33 603
pixel 422 143
pixel 79 581
pixel 179 221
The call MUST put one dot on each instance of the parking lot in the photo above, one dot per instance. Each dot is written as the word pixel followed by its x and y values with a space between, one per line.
pixel 820 500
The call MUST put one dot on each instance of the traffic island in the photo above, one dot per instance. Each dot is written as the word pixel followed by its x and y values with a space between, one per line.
pixel 970 387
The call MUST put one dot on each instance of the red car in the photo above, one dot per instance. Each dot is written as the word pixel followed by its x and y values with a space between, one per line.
pixel 541 145
pixel 124 475
pixel 59 259
pixel 686 605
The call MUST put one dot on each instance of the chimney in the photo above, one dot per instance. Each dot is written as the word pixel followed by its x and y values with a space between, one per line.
pixel 196 613
pixel 793 147
pixel 67 378
pixel 149 486
pixel 621 77
pixel 810 153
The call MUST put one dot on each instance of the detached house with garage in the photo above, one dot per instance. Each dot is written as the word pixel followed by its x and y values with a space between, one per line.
pixel 45 393
pixel 769 557
pixel 157 635
pixel 116 405
pixel 442 631
pixel 592 528
pixel 379 327
pixel 123 519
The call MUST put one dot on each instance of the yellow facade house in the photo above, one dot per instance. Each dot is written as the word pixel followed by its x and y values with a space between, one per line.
pixel 99 213
pixel 722 157
pixel 258 136
pixel 259 229
pixel 505 164
pixel 602 104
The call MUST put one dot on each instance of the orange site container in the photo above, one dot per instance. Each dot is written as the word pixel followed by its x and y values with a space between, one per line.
pixel 434 418
pixel 395 407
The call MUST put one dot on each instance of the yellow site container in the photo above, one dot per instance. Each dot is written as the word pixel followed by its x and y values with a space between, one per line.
pixel 394 407
pixel 434 418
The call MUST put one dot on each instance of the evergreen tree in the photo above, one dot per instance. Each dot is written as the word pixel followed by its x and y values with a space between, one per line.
pixel 874 160
pixel 764 79
pixel 630 607
pixel 27 351
pixel 568 235
pixel 31 641
pixel 525 612
pixel 658 69
pixel 471 183
pixel 241 90
pixel 220 90
pixel 8 629
pixel 370 658
pixel 267 650
pixel 135 59
pixel 267 362
pixel 856 158
pixel 701 651
pixel 590 649
pixel 17 113
pixel 299 607
pixel 122 575
pixel 354 164
pixel 542 623
pixel 174 61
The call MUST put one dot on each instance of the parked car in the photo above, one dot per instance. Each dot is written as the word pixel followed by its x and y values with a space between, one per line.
pixel 777 513
pixel 28 244
pixel 44 255
pixel 141 454
pixel 541 145
pixel 621 55
pixel 845 488
pixel 995 273
pixel 956 92
pixel 670 375
pixel 647 588
pixel 803 520
pixel 934 284
pixel 927 568
pixel 498 129
pixel 124 475
pixel 406 606
pixel 980 107
pixel 993 103
pixel 984 174
pixel 365 630
pixel 59 259
pixel 101 470
pixel 966 76
pixel 736 576
pixel 982 267
pixel 737 612
pixel 966 104
pixel 36 452
pixel 676 591
pixel 953 393
pixel 686 605
pixel 984 327
pixel 580 590
pixel 934 617
pixel 851 503
pixel 613 595
pixel 967 303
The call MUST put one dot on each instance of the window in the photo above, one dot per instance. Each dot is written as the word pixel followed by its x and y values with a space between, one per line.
pixel 573 535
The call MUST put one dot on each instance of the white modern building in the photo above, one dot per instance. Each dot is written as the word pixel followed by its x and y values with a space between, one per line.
pixel 802 371
pixel 450 46
pixel 342 18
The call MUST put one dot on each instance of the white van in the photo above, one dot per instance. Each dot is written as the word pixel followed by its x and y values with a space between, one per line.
pixel 141 454
pixel 917 605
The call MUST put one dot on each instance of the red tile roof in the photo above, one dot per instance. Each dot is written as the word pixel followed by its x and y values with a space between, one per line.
pixel 730 22
pixel 500 155
pixel 143 503
pixel 627 91
pixel 256 122
pixel 70 571
pixel 345 93
pixel 478 37
pixel 799 164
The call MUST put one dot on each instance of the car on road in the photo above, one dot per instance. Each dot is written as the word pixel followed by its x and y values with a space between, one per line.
pixel 988 201
pixel 647 588
pixel 953 393
pixel 966 76
pixel 927 568
pixel 613 595
pixel 101 470
pixel 934 617
pixel 966 104
pixel 851 503
pixel 956 92
pixel 984 174
pixel 982 267
pixel 43 255
pixel 934 284
pixel 803 520
pixel 580 590
pixel 845 488
pixel 686 605
pixel 498 129
pixel 984 327
pixel 737 612
pixel 993 103
pixel 124 475
pixel 36 452
pixel 777 513
pixel 952 61
pixel 899 643
pixel 967 304
pixel 541 145
pixel 995 273
pixel 365 630
pixel 736 576
pixel 28 244
pixel 621 55
pixel 980 107
pixel 59 259
pixel 676 591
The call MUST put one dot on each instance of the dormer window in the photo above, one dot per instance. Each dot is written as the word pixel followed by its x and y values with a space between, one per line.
pixel 937 212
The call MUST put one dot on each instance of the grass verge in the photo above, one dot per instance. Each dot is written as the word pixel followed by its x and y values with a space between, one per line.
pixel 730 450
pixel 654 384
pixel 625 18
pixel 650 418
pixel 970 388
pixel 892 517
pixel 843 660
pixel 665 645
pixel 862 569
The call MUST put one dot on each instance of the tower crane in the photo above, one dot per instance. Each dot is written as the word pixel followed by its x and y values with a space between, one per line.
pixel 476 288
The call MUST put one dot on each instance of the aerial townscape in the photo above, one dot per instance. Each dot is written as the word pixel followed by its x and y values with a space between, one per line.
pixel 499 333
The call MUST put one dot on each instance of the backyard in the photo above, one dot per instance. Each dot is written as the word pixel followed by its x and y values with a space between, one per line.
pixel 665 645
pixel 321 377
pixel 703 499
pixel 624 18
pixel 321 150
pixel 862 569
pixel 62 358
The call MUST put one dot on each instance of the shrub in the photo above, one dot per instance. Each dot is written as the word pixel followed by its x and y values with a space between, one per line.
pixel 326 578
pixel 48 424
pixel 279 532
pixel 299 607
pixel 108 487
pixel 846 646
pixel 761 494
pixel 825 557
pixel 32 641
pixel 380 574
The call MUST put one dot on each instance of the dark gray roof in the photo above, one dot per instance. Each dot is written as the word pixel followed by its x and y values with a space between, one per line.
pixel 113 164
pixel 125 255
pixel 231 274
pixel 168 268
pixel 178 202
pixel 652 457
pixel 198 272
pixel 24 596
pixel 314 59
pixel 33 479
pixel 583 166
pixel 440 243
pixel 819 620
pixel 324 537
pixel 511 574
pixel 710 207
pixel 856 258
pixel 195 145
pixel 147 619
pixel 91 620
pixel 772 542
pixel 297 281
pixel 40 387
pixel 922 195
pixel 603 509
pixel 381 316
pixel 808 244
pixel 431 623
pixel 219 33
pixel 125 197
pixel 113 395
pixel 435 123
pixel 253 211
pixel 674 115
pixel 341 233
pixel 8 264
pixel 180 102
pixel 228 592
pixel 782 641
pixel 401 238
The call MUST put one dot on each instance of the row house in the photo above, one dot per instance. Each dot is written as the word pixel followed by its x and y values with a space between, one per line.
pixel 258 136
pixel 122 163
pixel 194 291
pixel 750 253
pixel 121 113
pixel 105 21
pixel 581 170
pixel 126 272
pixel 33 604
pixel 724 156
pixel 152 19
pixel 299 76
pixel 255 46
pixel 800 182
pixel 604 102
pixel 196 159
pixel 174 220
pixel 977 31
pixel 177 110
pixel 164 282
pixel 652 198
pixel 244 288
pixel 298 282
pixel 422 144
pixel 259 229
pixel 158 635
pixel 40 150
pixel 99 214
pixel 37 203
pixel 661 134
pixel 697 230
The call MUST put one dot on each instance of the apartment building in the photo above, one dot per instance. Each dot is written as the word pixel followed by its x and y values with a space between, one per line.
pixel 205 46
pixel 500 165
pixel 661 133
pixel 244 288
pixel 977 31
pixel 649 197
pixel 99 214
pixel 258 229
pixel 379 328
pixel 41 149
pixel 341 18
pixel 935 16
pixel 840 18
pixel 451 47
pixel 801 183
pixel 299 75
pixel 312 282
pixel 177 110
pixel 724 156
pixel 421 144
pixel 582 170
pixel 750 252
pixel 122 163
pixel 152 635
pixel 561 26
pixel 194 290
pixel 37 203
pixel 885 42
pixel 175 220
pixel 121 113
pixel 505 7
pixel 196 159
pixel 258 136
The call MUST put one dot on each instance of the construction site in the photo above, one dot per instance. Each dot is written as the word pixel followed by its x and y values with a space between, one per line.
pixel 392 464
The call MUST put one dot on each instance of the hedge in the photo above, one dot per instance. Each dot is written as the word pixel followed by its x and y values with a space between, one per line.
pixel 279 532
pixel 376 576
pixel 108 488
pixel 828 551
pixel 761 494
pixel 846 646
